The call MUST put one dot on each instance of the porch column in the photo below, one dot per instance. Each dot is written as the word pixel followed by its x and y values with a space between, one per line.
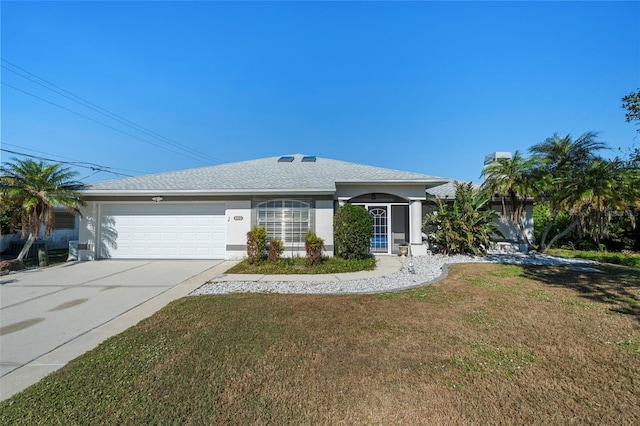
pixel 415 219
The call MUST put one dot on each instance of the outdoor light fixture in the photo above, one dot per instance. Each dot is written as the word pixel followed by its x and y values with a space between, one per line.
pixel 157 199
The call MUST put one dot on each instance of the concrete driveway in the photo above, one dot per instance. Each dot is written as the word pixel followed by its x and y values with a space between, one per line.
pixel 49 316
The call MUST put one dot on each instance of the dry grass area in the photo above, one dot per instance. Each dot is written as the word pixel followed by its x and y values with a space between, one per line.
pixel 491 344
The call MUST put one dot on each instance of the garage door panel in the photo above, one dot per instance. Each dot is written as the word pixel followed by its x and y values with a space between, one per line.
pixel 165 231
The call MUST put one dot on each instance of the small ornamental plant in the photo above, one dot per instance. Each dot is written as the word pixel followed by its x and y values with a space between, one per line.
pixel 313 246
pixel 276 247
pixel 256 244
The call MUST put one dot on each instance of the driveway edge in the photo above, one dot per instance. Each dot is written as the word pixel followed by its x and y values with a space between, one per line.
pixel 36 370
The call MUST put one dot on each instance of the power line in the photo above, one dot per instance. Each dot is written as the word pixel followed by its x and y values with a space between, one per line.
pixel 96 168
pixel 104 124
pixel 88 176
pixel 92 106
pixel 72 159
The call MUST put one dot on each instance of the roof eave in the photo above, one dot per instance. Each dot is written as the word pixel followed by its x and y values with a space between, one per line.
pixel 191 193
pixel 394 181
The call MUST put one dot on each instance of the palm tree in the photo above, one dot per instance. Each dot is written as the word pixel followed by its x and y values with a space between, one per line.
pixel 563 162
pixel 604 188
pixel 35 188
pixel 562 154
pixel 514 182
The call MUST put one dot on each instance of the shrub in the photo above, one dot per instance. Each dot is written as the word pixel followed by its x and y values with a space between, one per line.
pixel 313 245
pixel 464 227
pixel 353 229
pixel 276 247
pixel 256 244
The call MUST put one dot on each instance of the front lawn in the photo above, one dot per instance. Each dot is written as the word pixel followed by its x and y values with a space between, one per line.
pixel 490 344
pixel 626 259
pixel 297 265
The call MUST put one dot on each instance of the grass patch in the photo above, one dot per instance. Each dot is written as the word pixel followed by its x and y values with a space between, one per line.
pixel 482 360
pixel 482 282
pixel 431 294
pixel 478 316
pixel 419 356
pixel 626 259
pixel 507 271
pixel 297 265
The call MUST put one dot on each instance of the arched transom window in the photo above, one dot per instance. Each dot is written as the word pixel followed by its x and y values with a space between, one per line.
pixel 285 220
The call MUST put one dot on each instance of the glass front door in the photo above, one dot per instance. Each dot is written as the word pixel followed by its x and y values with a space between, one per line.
pixel 380 239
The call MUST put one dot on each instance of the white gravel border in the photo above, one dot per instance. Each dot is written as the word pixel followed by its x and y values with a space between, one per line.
pixel 426 269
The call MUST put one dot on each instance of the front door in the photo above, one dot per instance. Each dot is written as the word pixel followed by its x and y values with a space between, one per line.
pixel 380 239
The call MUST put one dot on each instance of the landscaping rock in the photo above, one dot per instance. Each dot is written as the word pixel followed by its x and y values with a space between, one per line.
pixel 415 271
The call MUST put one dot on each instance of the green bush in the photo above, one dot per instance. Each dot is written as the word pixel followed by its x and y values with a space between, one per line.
pixel 256 244
pixel 276 247
pixel 353 229
pixel 298 265
pixel 313 245
pixel 464 227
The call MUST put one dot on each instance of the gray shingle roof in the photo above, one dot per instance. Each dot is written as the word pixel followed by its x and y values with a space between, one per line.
pixel 263 175
pixel 448 190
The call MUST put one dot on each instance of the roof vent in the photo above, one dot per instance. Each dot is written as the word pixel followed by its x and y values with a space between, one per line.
pixel 309 159
pixel 285 159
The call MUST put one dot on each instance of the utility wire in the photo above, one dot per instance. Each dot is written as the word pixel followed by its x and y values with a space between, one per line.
pixel 90 105
pixel 72 159
pixel 92 174
pixel 104 124
pixel 95 168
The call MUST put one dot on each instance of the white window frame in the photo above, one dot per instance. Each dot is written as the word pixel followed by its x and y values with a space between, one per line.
pixel 287 220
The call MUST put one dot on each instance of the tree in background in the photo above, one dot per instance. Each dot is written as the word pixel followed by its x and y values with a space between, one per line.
pixel 33 189
pixel 513 181
pixel 464 227
pixel 575 189
pixel 561 161
pixel 631 103
pixel 603 190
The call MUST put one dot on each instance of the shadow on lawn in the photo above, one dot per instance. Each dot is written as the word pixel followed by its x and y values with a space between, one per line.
pixel 617 286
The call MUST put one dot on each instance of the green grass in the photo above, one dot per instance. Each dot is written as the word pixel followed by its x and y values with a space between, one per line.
pixel 626 259
pixel 297 265
pixel 451 353
pixel 430 294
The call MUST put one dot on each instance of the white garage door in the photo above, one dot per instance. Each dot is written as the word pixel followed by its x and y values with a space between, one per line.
pixel 163 231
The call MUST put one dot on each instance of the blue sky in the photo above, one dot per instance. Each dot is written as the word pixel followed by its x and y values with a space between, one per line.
pixel 428 87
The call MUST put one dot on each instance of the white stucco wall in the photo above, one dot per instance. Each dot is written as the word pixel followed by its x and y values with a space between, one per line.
pixel 414 192
pixel 87 231
pixel 324 224
pixel 511 231
pixel 238 224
